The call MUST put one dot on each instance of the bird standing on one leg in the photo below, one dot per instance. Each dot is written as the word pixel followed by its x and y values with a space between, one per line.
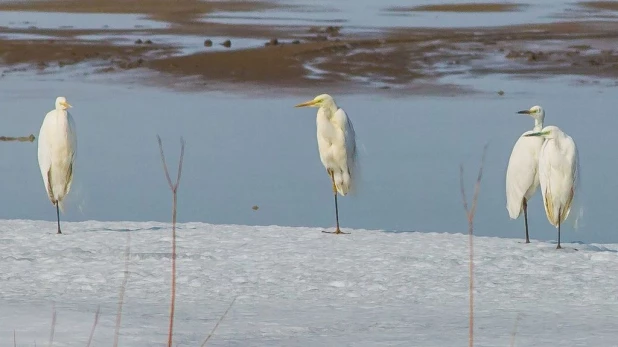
pixel 56 153
pixel 522 177
pixel 558 172
pixel 336 144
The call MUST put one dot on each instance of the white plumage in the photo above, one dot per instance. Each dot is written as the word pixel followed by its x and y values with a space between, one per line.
pixel 522 179
pixel 57 145
pixel 336 144
pixel 558 171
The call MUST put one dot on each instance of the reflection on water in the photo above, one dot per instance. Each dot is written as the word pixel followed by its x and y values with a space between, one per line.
pixel 245 151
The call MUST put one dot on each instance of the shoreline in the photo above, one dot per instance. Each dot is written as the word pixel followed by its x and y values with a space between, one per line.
pixel 302 57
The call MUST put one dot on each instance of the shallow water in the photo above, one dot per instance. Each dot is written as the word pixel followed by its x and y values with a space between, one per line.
pixel 361 15
pixel 248 150
pixel 40 20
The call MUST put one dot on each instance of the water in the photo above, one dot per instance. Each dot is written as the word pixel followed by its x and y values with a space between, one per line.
pixel 244 151
pixel 40 20
pixel 248 150
pixel 365 15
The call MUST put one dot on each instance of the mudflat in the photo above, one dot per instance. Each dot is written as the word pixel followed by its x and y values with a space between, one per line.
pixel 302 56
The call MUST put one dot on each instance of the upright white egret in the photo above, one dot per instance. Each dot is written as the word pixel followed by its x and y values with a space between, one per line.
pixel 336 144
pixel 57 147
pixel 558 171
pixel 522 177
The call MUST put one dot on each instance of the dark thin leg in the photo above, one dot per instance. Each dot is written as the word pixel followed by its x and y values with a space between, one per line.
pixel 58 216
pixel 559 247
pixel 526 219
pixel 332 177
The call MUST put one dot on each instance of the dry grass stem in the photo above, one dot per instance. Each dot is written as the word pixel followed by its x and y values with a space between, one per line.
pixel 514 333
pixel 94 325
pixel 174 189
pixel 470 211
pixel 14 339
pixel 53 326
pixel 123 288
pixel 218 322
pixel 18 139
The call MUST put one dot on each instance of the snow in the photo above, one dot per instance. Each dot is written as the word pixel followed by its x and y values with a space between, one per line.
pixel 300 287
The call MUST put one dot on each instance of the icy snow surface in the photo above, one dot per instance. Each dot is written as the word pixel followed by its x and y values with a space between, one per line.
pixel 300 287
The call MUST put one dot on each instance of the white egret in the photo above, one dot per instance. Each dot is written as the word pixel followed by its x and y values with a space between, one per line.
pixel 522 177
pixel 558 171
pixel 336 144
pixel 56 152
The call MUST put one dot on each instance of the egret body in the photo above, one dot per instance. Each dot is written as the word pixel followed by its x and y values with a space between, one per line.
pixel 522 177
pixel 558 171
pixel 56 153
pixel 336 145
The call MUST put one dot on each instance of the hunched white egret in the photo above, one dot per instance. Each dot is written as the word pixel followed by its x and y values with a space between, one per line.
pixel 522 177
pixel 336 144
pixel 56 151
pixel 558 172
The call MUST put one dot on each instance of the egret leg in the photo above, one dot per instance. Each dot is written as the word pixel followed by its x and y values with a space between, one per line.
pixel 337 231
pixel 526 219
pixel 332 177
pixel 58 216
pixel 559 247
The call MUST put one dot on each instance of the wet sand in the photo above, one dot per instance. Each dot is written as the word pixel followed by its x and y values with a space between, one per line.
pixel 305 57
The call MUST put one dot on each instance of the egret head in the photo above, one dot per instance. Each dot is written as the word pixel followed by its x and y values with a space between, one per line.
pixel 319 101
pixel 549 132
pixel 61 103
pixel 535 112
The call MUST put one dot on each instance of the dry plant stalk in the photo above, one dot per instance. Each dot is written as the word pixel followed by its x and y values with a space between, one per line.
pixel 470 211
pixel 218 322
pixel 123 288
pixel 53 326
pixel 18 139
pixel 174 189
pixel 14 339
pixel 514 333
pixel 94 325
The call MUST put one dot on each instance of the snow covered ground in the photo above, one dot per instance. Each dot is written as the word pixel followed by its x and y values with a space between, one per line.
pixel 300 287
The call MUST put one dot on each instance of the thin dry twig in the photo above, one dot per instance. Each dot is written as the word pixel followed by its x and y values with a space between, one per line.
pixel 470 211
pixel 53 326
pixel 174 189
pixel 94 325
pixel 514 333
pixel 218 322
pixel 14 339
pixel 18 139
pixel 123 288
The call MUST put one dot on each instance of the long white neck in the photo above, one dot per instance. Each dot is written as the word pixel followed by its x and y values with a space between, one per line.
pixel 329 109
pixel 538 123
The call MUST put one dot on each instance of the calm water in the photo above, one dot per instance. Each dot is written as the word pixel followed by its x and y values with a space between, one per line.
pixel 249 150
pixel 244 151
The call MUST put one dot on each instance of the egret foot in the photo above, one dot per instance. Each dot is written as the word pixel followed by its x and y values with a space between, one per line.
pixel 335 232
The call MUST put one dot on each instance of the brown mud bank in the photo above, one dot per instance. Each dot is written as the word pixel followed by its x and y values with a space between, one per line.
pixel 303 57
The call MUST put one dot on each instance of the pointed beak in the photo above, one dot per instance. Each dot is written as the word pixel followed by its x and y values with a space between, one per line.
pixel 66 104
pixel 540 133
pixel 524 112
pixel 307 103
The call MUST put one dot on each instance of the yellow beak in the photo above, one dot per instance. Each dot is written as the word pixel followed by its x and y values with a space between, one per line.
pixel 307 103
pixel 66 104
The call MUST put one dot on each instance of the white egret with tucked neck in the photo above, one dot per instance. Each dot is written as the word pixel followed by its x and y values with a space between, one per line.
pixel 57 145
pixel 522 177
pixel 336 144
pixel 558 174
